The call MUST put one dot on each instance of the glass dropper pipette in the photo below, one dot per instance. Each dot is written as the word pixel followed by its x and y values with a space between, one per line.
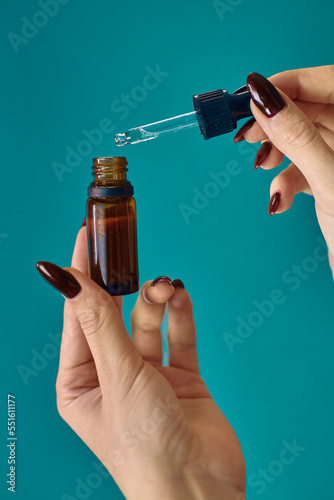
pixel 153 130
pixel 216 113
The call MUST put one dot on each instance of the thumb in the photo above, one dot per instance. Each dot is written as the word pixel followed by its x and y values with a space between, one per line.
pixel 293 134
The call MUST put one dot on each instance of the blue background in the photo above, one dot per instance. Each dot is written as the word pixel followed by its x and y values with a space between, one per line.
pixel 278 384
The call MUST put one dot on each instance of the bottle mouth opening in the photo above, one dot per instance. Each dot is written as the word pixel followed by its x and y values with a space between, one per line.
pixel 110 161
pixel 109 169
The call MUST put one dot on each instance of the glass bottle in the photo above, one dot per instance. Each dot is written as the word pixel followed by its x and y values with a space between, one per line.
pixel 112 227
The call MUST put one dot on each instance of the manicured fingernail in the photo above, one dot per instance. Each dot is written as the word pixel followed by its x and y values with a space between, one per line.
pixel 161 279
pixel 239 136
pixel 264 95
pixel 63 281
pixel 178 283
pixel 83 222
pixel 274 203
pixel 262 154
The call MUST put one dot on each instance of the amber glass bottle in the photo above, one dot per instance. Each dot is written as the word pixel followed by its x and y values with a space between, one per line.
pixel 112 228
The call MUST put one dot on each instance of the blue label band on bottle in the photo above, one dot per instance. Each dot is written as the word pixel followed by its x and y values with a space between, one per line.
pixel 104 192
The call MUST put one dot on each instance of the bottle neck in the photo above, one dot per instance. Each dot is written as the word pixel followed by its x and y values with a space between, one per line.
pixel 109 171
pixel 110 178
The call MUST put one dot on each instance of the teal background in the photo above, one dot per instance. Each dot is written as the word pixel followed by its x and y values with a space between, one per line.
pixel 278 384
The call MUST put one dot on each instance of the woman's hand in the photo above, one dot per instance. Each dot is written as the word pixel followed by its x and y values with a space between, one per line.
pixel 155 428
pixel 296 121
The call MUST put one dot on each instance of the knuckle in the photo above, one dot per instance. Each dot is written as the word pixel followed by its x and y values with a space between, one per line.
pixel 128 371
pixel 133 316
pixel 64 396
pixel 300 134
pixel 182 345
pixel 60 401
pixel 147 327
pixel 60 406
pixel 91 321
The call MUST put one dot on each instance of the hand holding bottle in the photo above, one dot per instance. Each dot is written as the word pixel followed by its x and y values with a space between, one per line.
pixel 296 119
pixel 155 428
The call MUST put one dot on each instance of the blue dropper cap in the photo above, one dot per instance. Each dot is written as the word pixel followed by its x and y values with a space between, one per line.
pixel 218 111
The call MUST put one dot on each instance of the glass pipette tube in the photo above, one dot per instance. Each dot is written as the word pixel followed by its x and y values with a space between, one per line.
pixel 154 130
pixel 216 113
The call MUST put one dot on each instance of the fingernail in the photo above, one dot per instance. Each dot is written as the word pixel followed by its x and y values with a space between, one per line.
pixel 83 222
pixel 161 279
pixel 264 95
pixel 274 203
pixel 239 136
pixel 262 154
pixel 61 280
pixel 179 283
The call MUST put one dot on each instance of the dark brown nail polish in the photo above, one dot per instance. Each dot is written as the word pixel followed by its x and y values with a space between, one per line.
pixel 63 281
pixel 239 136
pixel 274 203
pixel 83 222
pixel 264 95
pixel 161 279
pixel 178 283
pixel 262 154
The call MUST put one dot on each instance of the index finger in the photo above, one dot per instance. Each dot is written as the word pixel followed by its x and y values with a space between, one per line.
pixel 307 84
